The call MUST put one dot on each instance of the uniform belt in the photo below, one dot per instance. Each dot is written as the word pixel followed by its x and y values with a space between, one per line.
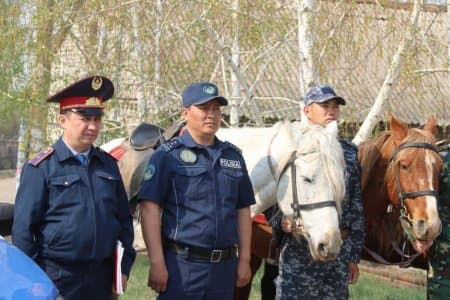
pixel 212 255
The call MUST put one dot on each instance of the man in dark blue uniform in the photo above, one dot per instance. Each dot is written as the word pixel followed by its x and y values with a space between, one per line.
pixel 199 246
pixel 70 211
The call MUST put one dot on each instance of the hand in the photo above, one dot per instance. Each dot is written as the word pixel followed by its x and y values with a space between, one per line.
pixel 422 246
pixel 124 282
pixel 286 224
pixel 158 277
pixel 244 273
pixel 353 273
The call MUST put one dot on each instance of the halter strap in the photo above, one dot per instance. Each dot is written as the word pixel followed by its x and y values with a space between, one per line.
pixel 401 195
pixel 295 205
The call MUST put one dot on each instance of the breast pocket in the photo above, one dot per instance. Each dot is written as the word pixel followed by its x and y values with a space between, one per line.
pixel 231 182
pixel 65 190
pixel 192 183
pixel 106 187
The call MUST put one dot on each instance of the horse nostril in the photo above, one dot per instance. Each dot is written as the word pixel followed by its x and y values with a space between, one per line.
pixel 322 249
pixel 421 224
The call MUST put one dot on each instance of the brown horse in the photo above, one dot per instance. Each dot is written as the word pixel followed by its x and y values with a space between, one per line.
pixel 399 184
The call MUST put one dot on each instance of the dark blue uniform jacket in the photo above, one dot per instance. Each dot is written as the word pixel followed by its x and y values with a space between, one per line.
pixel 200 190
pixel 70 213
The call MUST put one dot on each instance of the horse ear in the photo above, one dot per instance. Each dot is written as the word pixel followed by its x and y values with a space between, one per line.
pixel 332 128
pixel 430 126
pixel 399 129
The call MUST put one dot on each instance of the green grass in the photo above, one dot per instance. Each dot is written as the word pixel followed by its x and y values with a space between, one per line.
pixel 367 288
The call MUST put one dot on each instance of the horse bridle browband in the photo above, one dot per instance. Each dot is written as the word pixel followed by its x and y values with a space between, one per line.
pixel 401 195
pixel 296 206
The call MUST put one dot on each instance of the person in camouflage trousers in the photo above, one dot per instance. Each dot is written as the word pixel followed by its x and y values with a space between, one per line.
pixel 438 286
pixel 300 277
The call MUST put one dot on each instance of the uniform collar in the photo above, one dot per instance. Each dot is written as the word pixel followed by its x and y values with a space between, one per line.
pixel 189 142
pixel 63 152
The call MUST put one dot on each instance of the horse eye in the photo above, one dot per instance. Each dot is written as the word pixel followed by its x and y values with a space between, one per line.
pixel 307 179
pixel 404 167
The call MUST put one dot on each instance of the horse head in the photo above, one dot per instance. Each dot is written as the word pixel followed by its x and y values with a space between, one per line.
pixel 311 187
pixel 412 178
pixel 302 168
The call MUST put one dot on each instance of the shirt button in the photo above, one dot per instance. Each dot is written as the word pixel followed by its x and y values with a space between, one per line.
pixel 66 183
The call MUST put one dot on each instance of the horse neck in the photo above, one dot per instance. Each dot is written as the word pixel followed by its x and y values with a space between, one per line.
pixel 374 157
pixel 282 146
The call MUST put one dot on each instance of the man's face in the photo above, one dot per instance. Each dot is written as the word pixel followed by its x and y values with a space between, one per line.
pixel 203 119
pixel 80 131
pixel 322 113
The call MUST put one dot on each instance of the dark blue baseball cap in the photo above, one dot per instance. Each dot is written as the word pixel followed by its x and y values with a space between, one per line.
pixel 202 92
pixel 322 93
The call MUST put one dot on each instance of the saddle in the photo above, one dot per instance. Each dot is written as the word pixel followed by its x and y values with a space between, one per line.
pixel 146 135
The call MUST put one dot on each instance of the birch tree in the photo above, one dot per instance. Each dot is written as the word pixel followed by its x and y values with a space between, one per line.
pixel 305 12
pixel 389 82
pixel 235 85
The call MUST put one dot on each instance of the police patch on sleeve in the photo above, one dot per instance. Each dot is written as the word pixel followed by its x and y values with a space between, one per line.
pixel 188 156
pixel 149 172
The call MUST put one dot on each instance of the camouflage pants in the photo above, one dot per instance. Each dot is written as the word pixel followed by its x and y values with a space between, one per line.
pixel 300 277
pixel 439 273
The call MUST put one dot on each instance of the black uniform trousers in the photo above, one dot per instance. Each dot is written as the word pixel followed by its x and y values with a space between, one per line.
pixel 77 281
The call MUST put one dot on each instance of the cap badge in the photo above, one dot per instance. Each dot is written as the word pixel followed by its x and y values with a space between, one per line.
pixel 96 83
pixel 209 89
pixel 188 156
pixel 93 101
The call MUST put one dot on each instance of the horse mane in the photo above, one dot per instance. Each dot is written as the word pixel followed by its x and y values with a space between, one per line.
pixel 368 154
pixel 332 158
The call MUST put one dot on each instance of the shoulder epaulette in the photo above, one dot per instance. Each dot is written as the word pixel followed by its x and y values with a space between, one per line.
pixel 349 143
pixel 170 145
pixel 233 146
pixel 99 149
pixel 43 154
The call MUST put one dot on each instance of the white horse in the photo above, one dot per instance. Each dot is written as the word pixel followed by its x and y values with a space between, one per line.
pixel 302 168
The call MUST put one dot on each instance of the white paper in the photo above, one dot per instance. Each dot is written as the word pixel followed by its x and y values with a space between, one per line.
pixel 118 254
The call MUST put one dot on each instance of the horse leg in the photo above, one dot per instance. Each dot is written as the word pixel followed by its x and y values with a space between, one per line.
pixel 268 287
pixel 243 293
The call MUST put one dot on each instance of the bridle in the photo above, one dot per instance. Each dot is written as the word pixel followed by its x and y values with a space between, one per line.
pixel 411 195
pixel 404 217
pixel 295 205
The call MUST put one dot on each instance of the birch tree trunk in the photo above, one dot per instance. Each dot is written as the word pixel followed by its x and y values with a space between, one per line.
pixel 305 13
pixel 391 77
pixel 158 33
pixel 235 69
pixel 235 86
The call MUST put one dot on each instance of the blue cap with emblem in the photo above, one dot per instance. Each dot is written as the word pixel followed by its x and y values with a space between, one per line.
pixel 322 93
pixel 202 92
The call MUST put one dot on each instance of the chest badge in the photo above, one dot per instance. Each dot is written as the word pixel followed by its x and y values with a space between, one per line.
pixel 188 156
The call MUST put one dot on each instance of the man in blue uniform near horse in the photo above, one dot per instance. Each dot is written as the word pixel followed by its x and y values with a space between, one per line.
pixel 299 276
pixel 70 211
pixel 195 203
